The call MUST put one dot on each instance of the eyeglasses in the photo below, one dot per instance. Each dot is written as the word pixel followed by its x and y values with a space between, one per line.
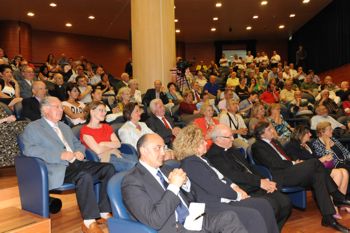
pixel 228 137
pixel 160 147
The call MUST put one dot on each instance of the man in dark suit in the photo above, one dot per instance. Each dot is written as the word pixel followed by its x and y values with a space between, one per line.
pixel 123 82
pixel 160 123
pixel 309 173
pixel 31 105
pixel 54 142
pixel 158 92
pixel 25 84
pixel 233 165
pixel 155 197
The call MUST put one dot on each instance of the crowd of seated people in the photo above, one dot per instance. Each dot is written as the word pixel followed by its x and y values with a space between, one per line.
pixel 240 95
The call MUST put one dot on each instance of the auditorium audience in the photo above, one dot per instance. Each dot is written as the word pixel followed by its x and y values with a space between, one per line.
pixel 101 139
pixel 309 173
pixel 212 187
pixel 63 154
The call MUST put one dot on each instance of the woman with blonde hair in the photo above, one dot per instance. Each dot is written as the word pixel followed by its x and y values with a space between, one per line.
pixel 123 98
pixel 283 129
pixel 207 122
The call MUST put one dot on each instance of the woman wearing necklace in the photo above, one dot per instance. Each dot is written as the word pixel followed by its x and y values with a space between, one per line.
pixel 206 123
pixel 236 123
pixel 101 139
pixel 299 147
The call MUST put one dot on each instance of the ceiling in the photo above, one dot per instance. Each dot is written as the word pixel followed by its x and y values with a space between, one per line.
pixel 112 17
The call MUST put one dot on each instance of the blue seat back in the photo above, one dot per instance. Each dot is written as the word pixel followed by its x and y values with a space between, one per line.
pixel 115 196
pixel 33 184
pixel 126 148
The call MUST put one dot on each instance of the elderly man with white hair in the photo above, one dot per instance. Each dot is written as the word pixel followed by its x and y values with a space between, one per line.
pixel 160 123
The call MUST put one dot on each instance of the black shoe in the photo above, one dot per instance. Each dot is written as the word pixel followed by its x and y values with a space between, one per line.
pixel 342 202
pixel 335 225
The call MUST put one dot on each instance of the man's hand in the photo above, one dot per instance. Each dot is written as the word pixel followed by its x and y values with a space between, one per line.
pixel 267 185
pixel 237 189
pixel 67 155
pixel 298 161
pixel 177 177
pixel 175 131
pixel 80 156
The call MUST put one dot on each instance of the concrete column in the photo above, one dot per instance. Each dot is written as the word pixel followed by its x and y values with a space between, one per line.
pixel 153 41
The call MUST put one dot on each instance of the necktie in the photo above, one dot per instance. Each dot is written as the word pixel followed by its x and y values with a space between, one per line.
pixel 166 123
pixel 280 151
pixel 61 137
pixel 181 209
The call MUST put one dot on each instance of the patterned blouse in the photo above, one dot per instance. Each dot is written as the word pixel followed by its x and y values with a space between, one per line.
pixel 339 152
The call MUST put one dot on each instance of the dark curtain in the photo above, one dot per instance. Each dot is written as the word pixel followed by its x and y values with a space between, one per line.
pixel 326 38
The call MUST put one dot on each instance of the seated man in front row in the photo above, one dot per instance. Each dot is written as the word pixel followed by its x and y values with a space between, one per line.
pixel 54 142
pixel 155 197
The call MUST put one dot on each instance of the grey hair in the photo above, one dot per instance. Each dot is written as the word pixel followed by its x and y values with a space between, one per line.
pixel 153 104
pixel 133 81
pixel 46 102
pixel 215 133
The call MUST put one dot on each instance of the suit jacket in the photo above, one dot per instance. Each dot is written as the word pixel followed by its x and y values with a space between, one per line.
pixel 205 182
pixel 233 165
pixel 151 94
pixel 31 109
pixel 157 126
pixel 40 140
pixel 296 151
pixel 266 155
pixel 25 88
pixel 148 202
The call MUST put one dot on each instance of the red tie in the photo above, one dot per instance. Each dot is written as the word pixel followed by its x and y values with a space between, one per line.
pixel 166 123
pixel 280 150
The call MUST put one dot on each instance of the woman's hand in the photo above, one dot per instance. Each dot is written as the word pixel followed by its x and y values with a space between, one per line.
pixel 326 158
pixel 10 119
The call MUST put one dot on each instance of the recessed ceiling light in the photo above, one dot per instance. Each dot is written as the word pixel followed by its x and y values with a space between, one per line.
pixel 52 4
pixel 30 14
pixel 68 25
pixel 177 31
pixel 248 28
pixel 306 1
pixel 91 17
pixel 218 4
pixel 176 20
pixel 174 6
pixel 215 18
pixel 255 16
pixel 213 29
pixel 263 3
pixel 281 26
pixel 291 15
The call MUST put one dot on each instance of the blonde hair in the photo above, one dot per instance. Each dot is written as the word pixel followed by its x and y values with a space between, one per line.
pixel 187 141
pixel 272 107
pixel 204 107
pixel 121 91
pixel 255 109
pixel 321 127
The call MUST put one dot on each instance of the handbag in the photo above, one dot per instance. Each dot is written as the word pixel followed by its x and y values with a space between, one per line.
pixel 329 164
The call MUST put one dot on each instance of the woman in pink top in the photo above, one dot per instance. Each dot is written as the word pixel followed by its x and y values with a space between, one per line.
pixel 206 123
pixel 101 139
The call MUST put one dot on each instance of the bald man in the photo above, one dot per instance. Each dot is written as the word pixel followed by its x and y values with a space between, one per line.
pixel 31 105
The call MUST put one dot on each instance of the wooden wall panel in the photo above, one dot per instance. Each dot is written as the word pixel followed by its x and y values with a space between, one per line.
pixel 113 54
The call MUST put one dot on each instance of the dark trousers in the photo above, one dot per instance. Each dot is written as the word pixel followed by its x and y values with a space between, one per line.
pixel 255 214
pixel 280 204
pixel 83 174
pixel 311 173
